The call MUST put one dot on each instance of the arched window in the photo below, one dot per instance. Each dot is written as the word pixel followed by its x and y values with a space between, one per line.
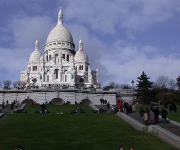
pixel 63 56
pixel 68 58
pixel 65 78
pixel 56 58
pixel 34 68
pixel 82 67
pixel 47 78
pixel 56 73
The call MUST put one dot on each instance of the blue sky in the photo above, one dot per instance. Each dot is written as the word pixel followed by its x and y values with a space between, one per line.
pixel 122 38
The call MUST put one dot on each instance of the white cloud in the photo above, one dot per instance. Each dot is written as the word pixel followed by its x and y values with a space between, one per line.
pixel 28 29
pixel 128 63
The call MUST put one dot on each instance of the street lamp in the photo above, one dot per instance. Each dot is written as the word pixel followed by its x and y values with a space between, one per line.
pixel 45 97
pixel 132 82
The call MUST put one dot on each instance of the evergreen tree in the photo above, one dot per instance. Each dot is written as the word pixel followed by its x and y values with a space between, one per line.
pixel 143 88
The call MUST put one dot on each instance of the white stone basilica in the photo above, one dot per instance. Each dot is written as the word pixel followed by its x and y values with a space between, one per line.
pixel 59 64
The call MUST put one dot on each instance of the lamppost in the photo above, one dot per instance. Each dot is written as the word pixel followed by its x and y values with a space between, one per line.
pixel 16 95
pixel 132 82
pixel 45 97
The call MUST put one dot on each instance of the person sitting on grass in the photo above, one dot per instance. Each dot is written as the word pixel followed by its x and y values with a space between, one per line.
pixel 43 108
pixel 121 148
pixel 78 110
pixel 131 148
pixel 100 110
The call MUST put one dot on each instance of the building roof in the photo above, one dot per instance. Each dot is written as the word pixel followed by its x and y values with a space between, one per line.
pixel 59 32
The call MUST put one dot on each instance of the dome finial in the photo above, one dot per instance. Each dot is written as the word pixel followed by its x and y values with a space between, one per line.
pixel 80 44
pixel 36 45
pixel 60 16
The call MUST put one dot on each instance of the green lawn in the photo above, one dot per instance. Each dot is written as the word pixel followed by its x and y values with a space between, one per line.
pixel 60 130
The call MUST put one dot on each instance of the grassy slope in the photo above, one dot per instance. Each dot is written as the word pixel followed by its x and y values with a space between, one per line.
pixel 72 132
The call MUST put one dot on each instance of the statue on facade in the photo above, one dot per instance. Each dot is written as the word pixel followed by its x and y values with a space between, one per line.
pixel 40 79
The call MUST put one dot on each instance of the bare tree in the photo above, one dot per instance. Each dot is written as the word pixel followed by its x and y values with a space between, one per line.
pixel 114 85
pixel 16 84
pixel 162 82
pixel 125 86
pixel 99 84
pixel 23 83
pixel 0 84
pixel 172 84
pixel 7 83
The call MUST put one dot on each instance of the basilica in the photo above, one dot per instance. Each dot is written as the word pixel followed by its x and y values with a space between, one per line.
pixel 60 64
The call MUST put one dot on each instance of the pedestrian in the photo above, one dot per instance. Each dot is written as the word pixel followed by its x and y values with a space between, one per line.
pixel 121 148
pixel 141 112
pixel 134 108
pixel 146 117
pixel 156 112
pixel 152 117
pixel 164 114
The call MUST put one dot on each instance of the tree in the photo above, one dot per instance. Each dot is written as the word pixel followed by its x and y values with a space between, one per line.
pixel 23 83
pixel 162 82
pixel 7 84
pixel 113 84
pixel 172 84
pixel 16 84
pixel 125 86
pixel 178 82
pixel 143 88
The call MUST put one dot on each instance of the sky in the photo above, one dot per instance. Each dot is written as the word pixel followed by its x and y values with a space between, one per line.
pixel 122 38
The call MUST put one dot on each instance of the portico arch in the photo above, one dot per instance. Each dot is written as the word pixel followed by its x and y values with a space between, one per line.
pixel 57 101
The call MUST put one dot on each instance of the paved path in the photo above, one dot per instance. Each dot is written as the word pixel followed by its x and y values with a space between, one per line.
pixel 104 107
pixel 7 109
pixel 169 126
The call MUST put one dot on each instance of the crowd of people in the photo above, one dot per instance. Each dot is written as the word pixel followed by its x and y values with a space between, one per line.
pixel 103 101
pixel 124 107
pixel 152 115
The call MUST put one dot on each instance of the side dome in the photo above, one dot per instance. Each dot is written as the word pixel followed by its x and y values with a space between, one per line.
pixel 59 32
pixel 80 56
pixel 35 55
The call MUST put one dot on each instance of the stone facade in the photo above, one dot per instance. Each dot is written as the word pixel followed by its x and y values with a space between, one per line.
pixel 59 64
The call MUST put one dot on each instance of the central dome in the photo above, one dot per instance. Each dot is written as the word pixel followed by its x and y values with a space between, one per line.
pixel 59 32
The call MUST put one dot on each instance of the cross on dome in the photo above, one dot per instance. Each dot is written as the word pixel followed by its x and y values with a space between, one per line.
pixel 36 45
pixel 80 44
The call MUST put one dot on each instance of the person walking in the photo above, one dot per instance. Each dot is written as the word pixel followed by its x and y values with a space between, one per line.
pixel 141 112
pixel 164 115
pixel 156 112
pixel 152 117
pixel 146 118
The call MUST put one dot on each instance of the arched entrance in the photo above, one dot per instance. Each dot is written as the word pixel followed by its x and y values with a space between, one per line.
pixel 85 102
pixel 27 102
pixel 57 101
